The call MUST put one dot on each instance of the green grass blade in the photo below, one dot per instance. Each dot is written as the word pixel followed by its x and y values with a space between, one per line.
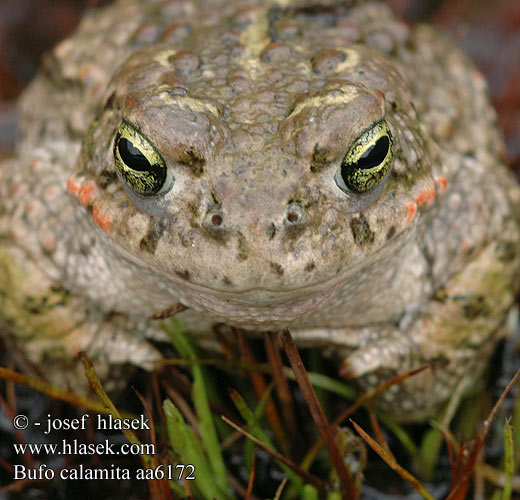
pixel 186 349
pixel 309 492
pixel 334 496
pixel 496 495
pixel 184 443
pixel 401 434
pixel 255 429
pixel 509 461
pixel 335 386
pixel 252 423
pixel 249 417
pixel 516 426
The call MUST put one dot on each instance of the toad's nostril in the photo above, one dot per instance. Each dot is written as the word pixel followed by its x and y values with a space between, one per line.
pixel 293 216
pixel 216 219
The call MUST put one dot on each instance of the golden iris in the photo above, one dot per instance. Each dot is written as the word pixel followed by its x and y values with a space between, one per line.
pixel 137 161
pixel 367 161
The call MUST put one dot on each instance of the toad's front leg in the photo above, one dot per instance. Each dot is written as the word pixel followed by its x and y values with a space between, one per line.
pixel 453 335
pixel 47 326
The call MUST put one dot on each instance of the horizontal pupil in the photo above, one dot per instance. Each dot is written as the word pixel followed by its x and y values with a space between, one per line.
pixel 375 154
pixel 132 156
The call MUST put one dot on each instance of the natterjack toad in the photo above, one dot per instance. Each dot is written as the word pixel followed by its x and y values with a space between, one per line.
pixel 323 167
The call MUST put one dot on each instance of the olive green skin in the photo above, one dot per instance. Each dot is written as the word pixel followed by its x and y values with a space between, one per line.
pixel 253 107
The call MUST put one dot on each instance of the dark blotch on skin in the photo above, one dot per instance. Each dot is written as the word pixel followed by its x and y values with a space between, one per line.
pixel 105 178
pixel 242 247
pixel 227 281
pixel 475 306
pixel 149 241
pixel 391 232
pixel 315 10
pixel 441 295
pixel 85 250
pixel 192 159
pixel 277 268
pixel 185 275
pixel 54 296
pixel 506 251
pixel 271 231
pixel 361 231
pixel 310 266
pixel 294 231
pixel 110 101
pixel 319 159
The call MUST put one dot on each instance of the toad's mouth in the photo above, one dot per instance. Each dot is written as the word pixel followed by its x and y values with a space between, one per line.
pixel 263 307
pixel 264 303
pixel 258 306
pixel 267 312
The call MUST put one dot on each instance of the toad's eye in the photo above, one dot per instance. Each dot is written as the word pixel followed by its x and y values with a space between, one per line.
pixel 139 164
pixel 367 161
